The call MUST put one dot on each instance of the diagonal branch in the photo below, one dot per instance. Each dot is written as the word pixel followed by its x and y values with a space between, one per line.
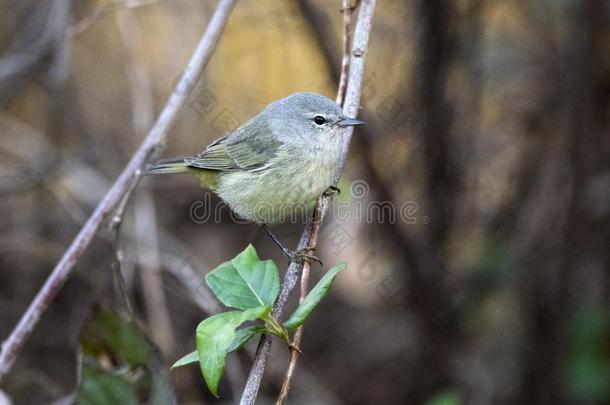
pixel 121 187
pixel 312 229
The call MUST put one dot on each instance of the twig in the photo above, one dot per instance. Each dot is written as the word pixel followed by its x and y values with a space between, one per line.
pixel 296 342
pixel 347 9
pixel 121 283
pixel 351 105
pixel 155 137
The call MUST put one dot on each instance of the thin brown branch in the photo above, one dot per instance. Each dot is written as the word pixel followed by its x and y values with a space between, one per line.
pixel 347 10
pixel 296 342
pixel 155 137
pixel 350 108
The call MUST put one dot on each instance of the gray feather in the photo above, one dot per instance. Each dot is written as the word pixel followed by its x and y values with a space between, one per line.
pixel 167 166
pixel 250 147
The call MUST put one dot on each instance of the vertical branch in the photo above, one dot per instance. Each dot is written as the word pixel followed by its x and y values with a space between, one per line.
pixel 351 105
pixel 347 10
pixel 153 140
pixel 296 343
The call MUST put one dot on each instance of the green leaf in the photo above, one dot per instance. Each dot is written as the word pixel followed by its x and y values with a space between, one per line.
pixel 246 281
pixel 111 335
pixel 214 338
pixel 242 336
pixel 98 387
pixel 585 360
pixel 113 332
pixel 313 298
pixel 445 398
pixel 190 358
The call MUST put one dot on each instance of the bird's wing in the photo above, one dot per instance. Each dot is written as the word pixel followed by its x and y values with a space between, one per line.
pixel 248 148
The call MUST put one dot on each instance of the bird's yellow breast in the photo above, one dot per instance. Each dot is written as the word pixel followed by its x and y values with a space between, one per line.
pixel 283 192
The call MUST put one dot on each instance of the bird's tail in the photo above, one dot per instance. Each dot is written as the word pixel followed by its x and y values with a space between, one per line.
pixel 166 167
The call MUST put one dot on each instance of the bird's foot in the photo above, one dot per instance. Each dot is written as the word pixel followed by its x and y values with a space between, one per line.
pixel 302 255
pixel 332 191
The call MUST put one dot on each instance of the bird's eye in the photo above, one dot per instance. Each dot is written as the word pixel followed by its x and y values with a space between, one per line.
pixel 319 120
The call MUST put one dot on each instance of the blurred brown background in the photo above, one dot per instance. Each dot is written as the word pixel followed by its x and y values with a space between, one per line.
pixel 488 138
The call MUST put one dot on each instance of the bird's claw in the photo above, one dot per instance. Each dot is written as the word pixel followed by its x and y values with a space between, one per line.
pixel 332 190
pixel 302 256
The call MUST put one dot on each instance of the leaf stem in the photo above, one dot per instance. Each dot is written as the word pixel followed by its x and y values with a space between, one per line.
pixel 275 328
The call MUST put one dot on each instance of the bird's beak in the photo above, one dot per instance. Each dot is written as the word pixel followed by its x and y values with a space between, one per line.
pixel 350 122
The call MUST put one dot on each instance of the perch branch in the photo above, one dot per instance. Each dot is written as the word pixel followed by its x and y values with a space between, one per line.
pixel 153 140
pixel 296 342
pixel 351 105
pixel 347 10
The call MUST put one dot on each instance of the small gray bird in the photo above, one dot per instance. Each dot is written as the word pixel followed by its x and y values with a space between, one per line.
pixel 275 164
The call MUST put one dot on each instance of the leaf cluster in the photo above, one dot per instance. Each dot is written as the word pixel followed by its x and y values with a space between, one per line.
pixel 251 286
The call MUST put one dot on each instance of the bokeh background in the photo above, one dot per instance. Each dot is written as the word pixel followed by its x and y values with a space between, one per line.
pixel 488 138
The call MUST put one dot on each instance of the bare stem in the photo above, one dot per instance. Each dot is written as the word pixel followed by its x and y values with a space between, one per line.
pixel 350 107
pixel 294 354
pixel 155 137
pixel 347 10
pixel 295 349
